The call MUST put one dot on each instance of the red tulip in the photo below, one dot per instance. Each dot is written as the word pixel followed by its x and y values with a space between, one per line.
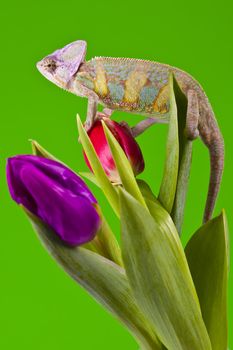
pixel 126 141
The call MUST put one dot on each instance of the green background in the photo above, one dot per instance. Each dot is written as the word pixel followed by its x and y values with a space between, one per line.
pixel 40 306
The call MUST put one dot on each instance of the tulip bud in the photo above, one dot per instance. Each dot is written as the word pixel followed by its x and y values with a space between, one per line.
pixel 126 141
pixel 56 195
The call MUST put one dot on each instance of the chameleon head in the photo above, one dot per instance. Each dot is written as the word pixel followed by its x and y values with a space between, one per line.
pixel 60 66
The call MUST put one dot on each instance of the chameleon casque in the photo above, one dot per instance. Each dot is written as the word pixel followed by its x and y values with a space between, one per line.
pixel 139 87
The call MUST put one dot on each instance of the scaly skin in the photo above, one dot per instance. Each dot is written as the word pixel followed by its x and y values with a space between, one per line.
pixel 134 86
pixel 141 87
pixel 138 87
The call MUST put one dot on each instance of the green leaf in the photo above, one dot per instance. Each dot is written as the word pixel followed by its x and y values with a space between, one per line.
pixel 163 219
pixel 108 241
pixel 38 150
pixel 185 159
pixel 208 257
pixel 103 279
pixel 169 181
pixel 146 190
pixel 160 279
pixel 89 176
pixel 123 166
pixel 101 177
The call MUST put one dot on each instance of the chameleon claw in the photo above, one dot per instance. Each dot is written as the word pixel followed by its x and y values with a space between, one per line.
pixel 126 126
pixel 107 112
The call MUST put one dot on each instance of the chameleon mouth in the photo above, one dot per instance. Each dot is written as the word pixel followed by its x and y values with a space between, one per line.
pixel 39 66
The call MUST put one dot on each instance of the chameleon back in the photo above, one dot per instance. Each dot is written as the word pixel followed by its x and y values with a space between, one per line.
pixel 130 85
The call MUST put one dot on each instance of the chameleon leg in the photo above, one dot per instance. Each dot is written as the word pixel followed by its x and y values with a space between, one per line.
pixel 191 129
pixel 142 126
pixel 191 122
pixel 91 113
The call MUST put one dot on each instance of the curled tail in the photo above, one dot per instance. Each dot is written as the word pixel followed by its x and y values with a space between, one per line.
pixel 211 136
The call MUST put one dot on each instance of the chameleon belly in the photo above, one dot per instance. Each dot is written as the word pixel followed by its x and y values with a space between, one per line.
pixel 128 84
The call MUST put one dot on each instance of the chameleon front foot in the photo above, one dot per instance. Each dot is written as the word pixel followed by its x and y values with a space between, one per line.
pixel 106 113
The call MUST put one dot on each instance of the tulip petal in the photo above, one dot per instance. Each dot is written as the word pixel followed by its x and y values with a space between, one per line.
pixel 99 142
pixel 128 144
pixel 101 177
pixel 56 195
pixel 123 166
pixel 73 217
pixel 55 170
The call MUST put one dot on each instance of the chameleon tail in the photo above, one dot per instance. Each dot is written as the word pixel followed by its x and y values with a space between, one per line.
pixel 216 151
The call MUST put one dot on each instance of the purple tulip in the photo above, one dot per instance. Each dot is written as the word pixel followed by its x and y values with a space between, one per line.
pixel 56 195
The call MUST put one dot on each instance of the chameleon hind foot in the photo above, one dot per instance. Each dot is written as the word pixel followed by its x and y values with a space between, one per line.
pixel 126 126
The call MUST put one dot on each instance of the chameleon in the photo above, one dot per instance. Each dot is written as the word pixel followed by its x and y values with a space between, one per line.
pixel 141 87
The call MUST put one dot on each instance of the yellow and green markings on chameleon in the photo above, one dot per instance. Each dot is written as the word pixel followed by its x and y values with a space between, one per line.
pixel 130 88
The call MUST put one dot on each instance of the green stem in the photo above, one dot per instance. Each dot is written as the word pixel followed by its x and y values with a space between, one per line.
pixel 182 186
pixel 185 159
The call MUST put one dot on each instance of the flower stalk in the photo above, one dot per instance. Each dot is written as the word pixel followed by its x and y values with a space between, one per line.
pixel 185 160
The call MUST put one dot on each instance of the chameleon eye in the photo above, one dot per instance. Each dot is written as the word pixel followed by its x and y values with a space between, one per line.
pixel 51 66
